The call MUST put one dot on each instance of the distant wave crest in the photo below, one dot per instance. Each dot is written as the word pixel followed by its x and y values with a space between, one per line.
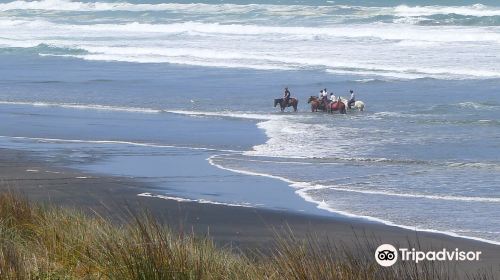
pixel 416 41
pixel 477 10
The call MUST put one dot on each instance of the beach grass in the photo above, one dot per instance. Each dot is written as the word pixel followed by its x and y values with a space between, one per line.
pixel 50 242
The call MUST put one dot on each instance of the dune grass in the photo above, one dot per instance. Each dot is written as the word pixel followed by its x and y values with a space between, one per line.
pixel 41 242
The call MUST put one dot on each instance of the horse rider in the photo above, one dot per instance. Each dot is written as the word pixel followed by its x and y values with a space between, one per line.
pixel 324 97
pixel 352 100
pixel 286 96
pixel 332 97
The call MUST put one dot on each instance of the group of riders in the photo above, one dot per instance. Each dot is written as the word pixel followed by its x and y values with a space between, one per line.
pixel 324 100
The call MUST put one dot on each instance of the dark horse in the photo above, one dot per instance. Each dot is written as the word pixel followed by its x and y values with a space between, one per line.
pixel 291 102
pixel 316 105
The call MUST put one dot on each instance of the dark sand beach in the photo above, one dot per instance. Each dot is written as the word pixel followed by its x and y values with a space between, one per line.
pixel 237 227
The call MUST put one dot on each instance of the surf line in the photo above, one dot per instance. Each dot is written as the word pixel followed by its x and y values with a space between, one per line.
pixel 202 201
pixel 303 187
pixel 85 107
pixel 116 142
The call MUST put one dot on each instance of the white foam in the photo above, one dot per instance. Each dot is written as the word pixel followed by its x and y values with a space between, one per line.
pixel 477 106
pixel 115 142
pixel 310 186
pixel 201 201
pixel 84 106
pixel 231 114
pixel 410 52
pixel 228 114
pixel 193 8
pixel 410 195
pixel 380 31
pixel 479 165
pixel 303 140
pixel 379 73
pixel 325 206
pixel 477 10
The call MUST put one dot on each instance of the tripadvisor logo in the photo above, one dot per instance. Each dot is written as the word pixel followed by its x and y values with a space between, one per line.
pixel 387 255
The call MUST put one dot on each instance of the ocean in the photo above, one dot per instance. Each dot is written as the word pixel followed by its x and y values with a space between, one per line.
pixel 132 88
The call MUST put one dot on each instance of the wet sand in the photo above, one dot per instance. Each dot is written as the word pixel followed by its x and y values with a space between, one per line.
pixel 238 227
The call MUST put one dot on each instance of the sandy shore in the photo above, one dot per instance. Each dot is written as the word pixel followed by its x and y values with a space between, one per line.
pixel 244 228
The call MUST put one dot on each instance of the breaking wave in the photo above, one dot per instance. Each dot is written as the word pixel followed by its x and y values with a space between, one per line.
pixel 340 49
pixel 477 10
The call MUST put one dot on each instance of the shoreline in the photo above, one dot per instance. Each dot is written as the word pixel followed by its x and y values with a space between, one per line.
pixel 301 193
pixel 347 215
pixel 241 227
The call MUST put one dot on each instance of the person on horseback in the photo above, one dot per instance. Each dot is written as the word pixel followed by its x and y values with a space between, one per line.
pixel 332 97
pixel 286 101
pixel 324 97
pixel 352 100
pixel 286 96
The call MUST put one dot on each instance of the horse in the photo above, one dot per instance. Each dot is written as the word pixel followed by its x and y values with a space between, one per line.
pixel 330 107
pixel 358 105
pixel 291 102
pixel 337 106
pixel 315 104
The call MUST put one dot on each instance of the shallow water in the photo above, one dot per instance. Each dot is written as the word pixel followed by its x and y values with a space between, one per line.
pixel 124 81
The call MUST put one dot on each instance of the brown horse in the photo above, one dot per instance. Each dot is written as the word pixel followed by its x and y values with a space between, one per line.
pixel 291 102
pixel 337 106
pixel 315 104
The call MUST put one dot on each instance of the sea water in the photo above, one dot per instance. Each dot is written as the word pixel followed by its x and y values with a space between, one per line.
pixel 425 154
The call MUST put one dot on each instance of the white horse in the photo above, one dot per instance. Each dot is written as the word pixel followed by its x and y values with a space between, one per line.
pixel 358 105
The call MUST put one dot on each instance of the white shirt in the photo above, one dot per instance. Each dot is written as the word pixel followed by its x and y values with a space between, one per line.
pixel 333 98
pixel 352 95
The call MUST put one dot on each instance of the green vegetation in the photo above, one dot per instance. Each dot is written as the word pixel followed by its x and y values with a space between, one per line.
pixel 39 242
